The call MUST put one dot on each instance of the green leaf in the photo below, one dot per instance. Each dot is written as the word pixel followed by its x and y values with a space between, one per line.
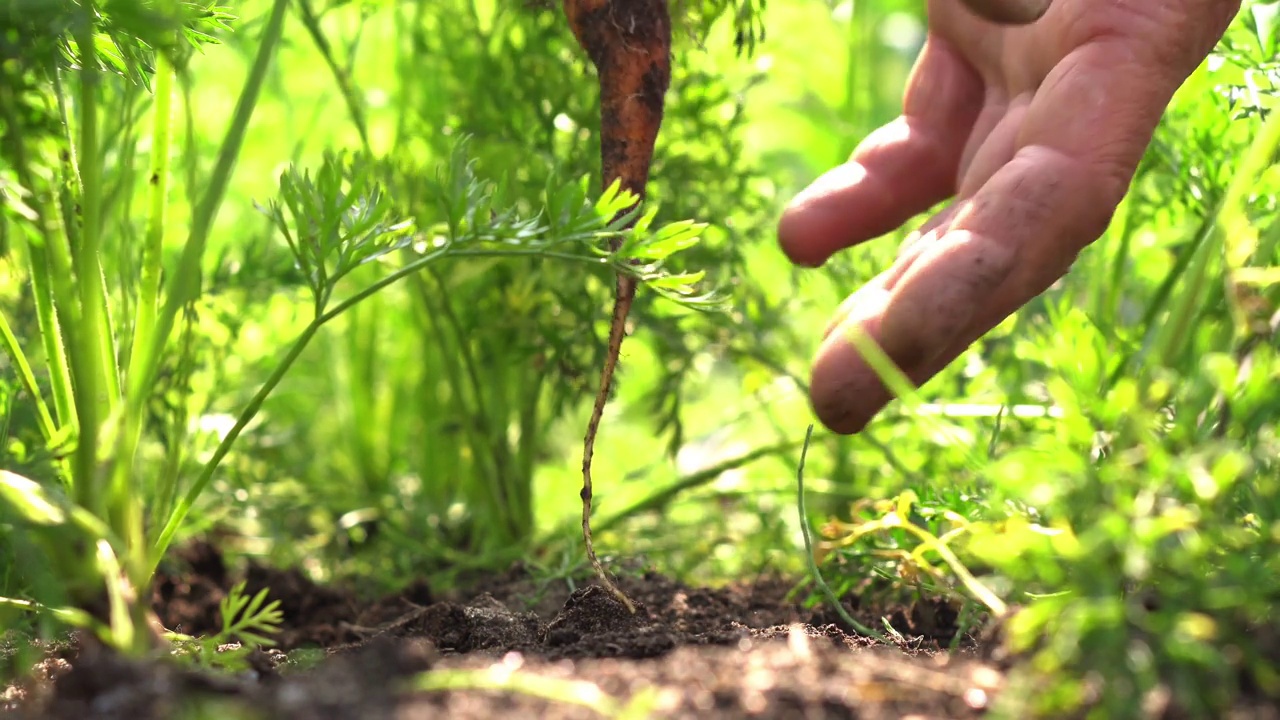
pixel 680 281
pixel 671 239
pixel 123 632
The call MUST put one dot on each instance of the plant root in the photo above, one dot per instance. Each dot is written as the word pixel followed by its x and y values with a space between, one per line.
pixel 629 43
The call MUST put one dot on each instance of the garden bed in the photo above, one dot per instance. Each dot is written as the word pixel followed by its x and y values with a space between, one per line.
pixel 552 651
pixel 522 646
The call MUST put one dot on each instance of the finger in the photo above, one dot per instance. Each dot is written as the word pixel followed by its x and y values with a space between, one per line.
pixel 1009 12
pixel 995 148
pixel 954 289
pixel 1007 244
pixel 897 172
pixel 880 286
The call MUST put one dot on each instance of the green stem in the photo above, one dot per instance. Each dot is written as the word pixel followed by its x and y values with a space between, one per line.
pixel 123 487
pixel 312 23
pixel 1174 332
pixel 1109 305
pixel 808 550
pixel 664 496
pixel 250 411
pixel 452 362
pixel 92 362
pixel 185 287
pixel 50 267
pixel 85 256
pixel 425 260
pixel 158 183
pixel 1158 303
pixel 1228 213
pixel 498 450
pixel 19 359
pixel 184 506
pixel 50 332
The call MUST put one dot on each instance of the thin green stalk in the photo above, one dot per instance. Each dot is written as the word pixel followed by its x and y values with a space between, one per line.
pixel 92 307
pixel 183 507
pixel 451 362
pixel 158 185
pixel 1158 303
pixel 498 447
pixel 1227 218
pixel 808 550
pixel 51 333
pixel 706 476
pixel 72 616
pixel 90 367
pixel 186 281
pixel 50 266
pixel 250 411
pixel 1158 337
pixel 19 359
pixel 312 23
pixel 124 490
pixel 1109 304
pixel 1173 334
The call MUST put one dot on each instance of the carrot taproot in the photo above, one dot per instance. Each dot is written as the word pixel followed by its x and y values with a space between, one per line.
pixel 629 43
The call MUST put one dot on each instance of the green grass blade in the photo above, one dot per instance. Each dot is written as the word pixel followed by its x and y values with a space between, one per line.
pixel 186 281
pixel 19 359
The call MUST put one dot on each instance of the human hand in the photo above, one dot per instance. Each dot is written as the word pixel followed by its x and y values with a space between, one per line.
pixel 1035 131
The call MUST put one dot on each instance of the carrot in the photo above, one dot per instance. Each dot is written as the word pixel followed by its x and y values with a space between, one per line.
pixel 629 43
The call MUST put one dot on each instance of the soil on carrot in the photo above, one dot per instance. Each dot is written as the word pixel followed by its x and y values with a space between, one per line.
pixel 545 651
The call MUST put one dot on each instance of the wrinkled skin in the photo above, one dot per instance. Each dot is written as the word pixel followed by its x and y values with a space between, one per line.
pixel 1035 132
pixel 1009 12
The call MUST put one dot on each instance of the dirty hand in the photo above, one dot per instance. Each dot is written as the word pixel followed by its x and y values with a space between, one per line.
pixel 1035 131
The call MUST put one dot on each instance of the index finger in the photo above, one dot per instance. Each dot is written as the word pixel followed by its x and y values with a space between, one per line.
pixel 897 172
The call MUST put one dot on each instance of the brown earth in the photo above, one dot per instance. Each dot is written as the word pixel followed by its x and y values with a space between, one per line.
pixel 541 652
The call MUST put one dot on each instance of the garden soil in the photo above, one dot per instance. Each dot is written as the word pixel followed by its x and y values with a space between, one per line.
pixel 740 651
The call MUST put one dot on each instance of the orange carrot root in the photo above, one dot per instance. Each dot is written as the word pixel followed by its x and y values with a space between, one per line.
pixel 629 42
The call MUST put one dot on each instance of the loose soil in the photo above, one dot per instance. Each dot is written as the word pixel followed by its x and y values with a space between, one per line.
pixel 731 652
